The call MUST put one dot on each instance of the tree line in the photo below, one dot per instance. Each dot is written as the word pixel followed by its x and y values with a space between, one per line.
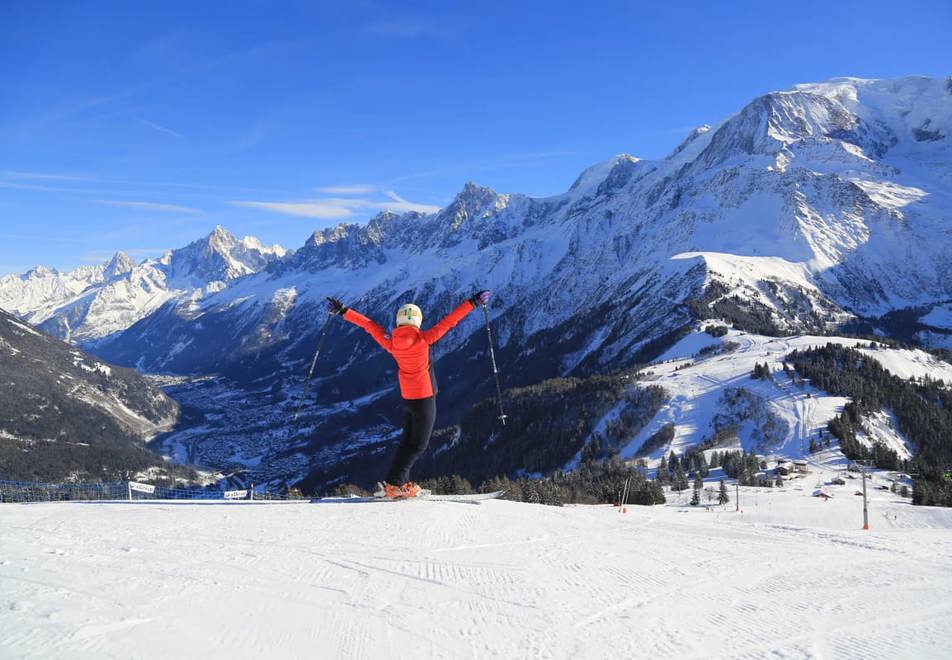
pixel 922 407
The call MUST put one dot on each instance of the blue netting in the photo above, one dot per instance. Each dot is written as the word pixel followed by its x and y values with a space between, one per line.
pixel 30 491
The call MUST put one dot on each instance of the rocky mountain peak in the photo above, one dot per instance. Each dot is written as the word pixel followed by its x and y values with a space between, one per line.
pixel 220 239
pixel 120 264
pixel 39 271
pixel 690 139
pixel 330 235
pixel 471 203
pixel 472 192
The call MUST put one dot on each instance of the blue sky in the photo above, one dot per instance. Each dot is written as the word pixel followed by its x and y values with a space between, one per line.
pixel 140 126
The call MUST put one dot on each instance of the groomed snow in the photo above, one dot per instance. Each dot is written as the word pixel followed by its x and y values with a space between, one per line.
pixel 791 576
pixel 911 363
pixel 695 386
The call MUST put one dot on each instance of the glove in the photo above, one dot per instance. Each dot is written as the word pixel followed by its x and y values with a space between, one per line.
pixel 480 298
pixel 334 306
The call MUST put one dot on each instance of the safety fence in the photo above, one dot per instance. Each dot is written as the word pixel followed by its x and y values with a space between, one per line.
pixel 30 491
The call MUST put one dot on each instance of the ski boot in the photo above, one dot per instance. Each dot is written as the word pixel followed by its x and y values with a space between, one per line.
pixel 410 489
pixel 391 492
pixel 387 491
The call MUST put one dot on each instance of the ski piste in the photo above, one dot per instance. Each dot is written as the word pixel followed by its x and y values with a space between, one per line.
pixel 474 498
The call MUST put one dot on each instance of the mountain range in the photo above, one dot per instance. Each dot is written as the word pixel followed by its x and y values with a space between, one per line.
pixel 818 209
pixel 91 302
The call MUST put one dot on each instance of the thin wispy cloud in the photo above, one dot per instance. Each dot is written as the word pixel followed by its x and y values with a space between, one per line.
pixel 331 208
pixel 60 183
pixel 42 176
pixel 162 129
pixel 152 206
pixel 398 203
pixel 19 185
pixel 323 209
pixel 352 189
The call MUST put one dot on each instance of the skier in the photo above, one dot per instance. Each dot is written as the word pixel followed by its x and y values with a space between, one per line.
pixel 410 347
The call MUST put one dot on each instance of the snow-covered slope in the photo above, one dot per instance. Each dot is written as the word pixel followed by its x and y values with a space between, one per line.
pixel 95 301
pixel 710 385
pixel 791 576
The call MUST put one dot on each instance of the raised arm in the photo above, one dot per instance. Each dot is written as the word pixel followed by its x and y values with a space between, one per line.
pixel 373 329
pixel 448 322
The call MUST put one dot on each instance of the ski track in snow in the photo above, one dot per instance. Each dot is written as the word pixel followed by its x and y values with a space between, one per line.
pixel 696 385
pixel 791 576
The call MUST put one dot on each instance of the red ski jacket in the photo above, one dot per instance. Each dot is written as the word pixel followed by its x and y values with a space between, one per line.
pixel 410 347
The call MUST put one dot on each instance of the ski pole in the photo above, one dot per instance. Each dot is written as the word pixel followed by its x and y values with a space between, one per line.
pixel 492 356
pixel 623 505
pixel 307 382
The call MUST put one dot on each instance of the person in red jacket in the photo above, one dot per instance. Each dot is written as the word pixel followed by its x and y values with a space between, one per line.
pixel 410 347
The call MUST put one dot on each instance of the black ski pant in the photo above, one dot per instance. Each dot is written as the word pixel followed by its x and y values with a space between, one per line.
pixel 418 418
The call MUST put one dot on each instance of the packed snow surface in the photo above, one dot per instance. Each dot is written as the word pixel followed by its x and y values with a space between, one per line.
pixel 790 576
pixel 698 378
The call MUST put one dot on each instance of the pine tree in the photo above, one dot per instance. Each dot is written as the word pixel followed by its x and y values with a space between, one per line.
pixel 696 497
pixel 593 450
pixel 702 465
pixel 680 480
pixel 698 482
pixel 656 492
pixel 662 474
pixel 722 496
pixel 673 461
pixel 778 482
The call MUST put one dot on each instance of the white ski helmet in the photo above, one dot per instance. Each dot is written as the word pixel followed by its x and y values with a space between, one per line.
pixel 409 314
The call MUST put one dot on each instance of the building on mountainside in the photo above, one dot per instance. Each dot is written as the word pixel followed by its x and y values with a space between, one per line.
pixel 800 467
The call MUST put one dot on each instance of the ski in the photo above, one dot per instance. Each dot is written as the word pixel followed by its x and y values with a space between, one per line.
pixel 474 498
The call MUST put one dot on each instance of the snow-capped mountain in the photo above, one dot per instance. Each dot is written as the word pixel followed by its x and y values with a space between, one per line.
pixel 65 414
pixel 822 205
pixel 92 302
pixel 814 204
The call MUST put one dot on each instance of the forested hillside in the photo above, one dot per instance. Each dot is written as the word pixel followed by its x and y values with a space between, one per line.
pixel 923 408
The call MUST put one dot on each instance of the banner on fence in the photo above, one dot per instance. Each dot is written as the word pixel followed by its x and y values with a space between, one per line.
pixel 32 491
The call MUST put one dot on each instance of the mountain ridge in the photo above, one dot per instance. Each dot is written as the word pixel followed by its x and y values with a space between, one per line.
pixel 66 415
pixel 809 208
pixel 91 302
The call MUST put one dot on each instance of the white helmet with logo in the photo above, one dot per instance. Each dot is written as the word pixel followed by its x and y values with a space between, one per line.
pixel 410 314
